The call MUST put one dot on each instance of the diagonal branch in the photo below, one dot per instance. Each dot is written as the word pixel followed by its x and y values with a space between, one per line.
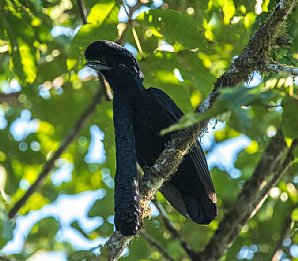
pixel 9 97
pixel 274 165
pixel 48 166
pixel 154 243
pixel 175 233
pixel 286 230
pixel 6 258
pixel 83 10
pixel 256 52
pixel 280 68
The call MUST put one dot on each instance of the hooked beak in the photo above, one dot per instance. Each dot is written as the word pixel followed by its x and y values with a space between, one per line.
pixel 97 66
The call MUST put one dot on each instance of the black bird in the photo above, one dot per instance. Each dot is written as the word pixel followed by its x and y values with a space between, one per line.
pixel 139 116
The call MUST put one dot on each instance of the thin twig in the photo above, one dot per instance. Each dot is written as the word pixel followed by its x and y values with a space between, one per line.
pixel 280 68
pixel 276 254
pixel 174 232
pixel 282 170
pixel 108 90
pixel 6 258
pixel 130 24
pixel 138 43
pixel 9 97
pixel 83 10
pixel 48 166
pixel 154 243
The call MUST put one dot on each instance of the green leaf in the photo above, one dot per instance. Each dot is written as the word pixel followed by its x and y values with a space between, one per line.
pixel 158 69
pixel 227 100
pixel 230 99
pixel 103 208
pixel 228 196
pixel 82 255
pixel 23 52
pixel 228 10
pixel 247 161
pixel 100 11
pixel 46 228
pixel 194 71
pixel 28 61
pixel 103 27
pixel 50 70
pixel 225 133
pixel 290 117
pixel 49 3
pixel 174 26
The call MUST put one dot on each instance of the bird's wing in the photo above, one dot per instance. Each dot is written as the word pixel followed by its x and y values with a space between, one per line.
pixel 196 153
pixel 167 103
pixel 198 157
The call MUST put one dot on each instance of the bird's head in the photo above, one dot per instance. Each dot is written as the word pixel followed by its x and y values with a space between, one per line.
pixel 112 60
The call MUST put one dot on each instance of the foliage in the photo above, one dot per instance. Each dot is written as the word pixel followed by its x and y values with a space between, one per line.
pixel 185 46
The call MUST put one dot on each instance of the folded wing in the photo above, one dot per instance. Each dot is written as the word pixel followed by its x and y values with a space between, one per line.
pixel 192 194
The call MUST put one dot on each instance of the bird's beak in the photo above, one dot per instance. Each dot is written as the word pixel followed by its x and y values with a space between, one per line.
pixel 97 66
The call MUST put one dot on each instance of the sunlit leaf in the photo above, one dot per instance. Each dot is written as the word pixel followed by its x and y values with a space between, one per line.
pixel 174 26
pixel 100 11
pixel 228 10
pixel 102 27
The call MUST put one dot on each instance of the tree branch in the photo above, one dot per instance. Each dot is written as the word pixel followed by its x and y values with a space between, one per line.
pixel 154 243
pixel 175 233
pixel 276 255
pixel 255 53
pixel 6 258
pixel 252 196
pixel 280 68
pixel 9 97
pixel 83 10
pixel 48 166
pixel 169 160
pixel 129 13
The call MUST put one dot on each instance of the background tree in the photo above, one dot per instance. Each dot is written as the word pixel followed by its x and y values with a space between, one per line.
pixel 53 115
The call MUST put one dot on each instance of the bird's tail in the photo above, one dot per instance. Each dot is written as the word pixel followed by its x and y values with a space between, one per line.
pixel 201 211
